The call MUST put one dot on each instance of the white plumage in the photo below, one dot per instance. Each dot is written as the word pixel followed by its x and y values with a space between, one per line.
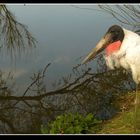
pixel 127 56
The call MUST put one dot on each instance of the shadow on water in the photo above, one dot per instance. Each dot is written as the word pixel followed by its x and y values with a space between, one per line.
pixel 83 91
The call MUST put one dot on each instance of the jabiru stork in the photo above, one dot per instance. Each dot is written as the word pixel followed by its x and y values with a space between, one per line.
pixel 122 49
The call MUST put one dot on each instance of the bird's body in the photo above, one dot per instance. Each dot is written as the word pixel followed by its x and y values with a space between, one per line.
pixel 126 53
pixel 128 56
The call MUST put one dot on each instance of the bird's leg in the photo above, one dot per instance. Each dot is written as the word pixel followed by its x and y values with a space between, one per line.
pixel 135 110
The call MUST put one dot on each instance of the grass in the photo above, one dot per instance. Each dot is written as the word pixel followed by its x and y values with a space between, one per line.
pixel 123 123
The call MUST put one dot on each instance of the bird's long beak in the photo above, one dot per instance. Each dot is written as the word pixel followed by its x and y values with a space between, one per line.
pixel 99 47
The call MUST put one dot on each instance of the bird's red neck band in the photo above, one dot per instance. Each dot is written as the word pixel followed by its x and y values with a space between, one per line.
pixel 113 47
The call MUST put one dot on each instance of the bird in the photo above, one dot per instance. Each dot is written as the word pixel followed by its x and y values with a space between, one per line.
pixel 121 48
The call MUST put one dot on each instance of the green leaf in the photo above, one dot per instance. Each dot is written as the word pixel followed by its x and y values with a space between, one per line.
pixel 72 124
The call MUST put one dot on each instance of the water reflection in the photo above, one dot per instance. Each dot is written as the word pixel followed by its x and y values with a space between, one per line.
pixel 64 33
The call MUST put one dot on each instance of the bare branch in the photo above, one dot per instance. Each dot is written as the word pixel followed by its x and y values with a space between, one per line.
pixel 14 35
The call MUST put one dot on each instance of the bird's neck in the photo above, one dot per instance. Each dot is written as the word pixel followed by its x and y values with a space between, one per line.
pixel 113 47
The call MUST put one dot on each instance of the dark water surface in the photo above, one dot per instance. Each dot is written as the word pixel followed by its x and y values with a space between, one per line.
pixel 64 34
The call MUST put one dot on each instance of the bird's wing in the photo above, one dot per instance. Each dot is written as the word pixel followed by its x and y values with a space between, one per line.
pixel 129 53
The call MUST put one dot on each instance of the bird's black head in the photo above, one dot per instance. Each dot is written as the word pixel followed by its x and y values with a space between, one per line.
pixel 116 32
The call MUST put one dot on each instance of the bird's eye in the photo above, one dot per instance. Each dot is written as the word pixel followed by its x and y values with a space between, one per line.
pixel 112 31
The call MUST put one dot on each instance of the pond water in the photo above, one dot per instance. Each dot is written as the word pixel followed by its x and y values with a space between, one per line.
pixel 64 34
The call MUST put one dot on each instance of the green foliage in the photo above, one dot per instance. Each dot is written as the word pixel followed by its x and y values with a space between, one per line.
pixel 72 124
